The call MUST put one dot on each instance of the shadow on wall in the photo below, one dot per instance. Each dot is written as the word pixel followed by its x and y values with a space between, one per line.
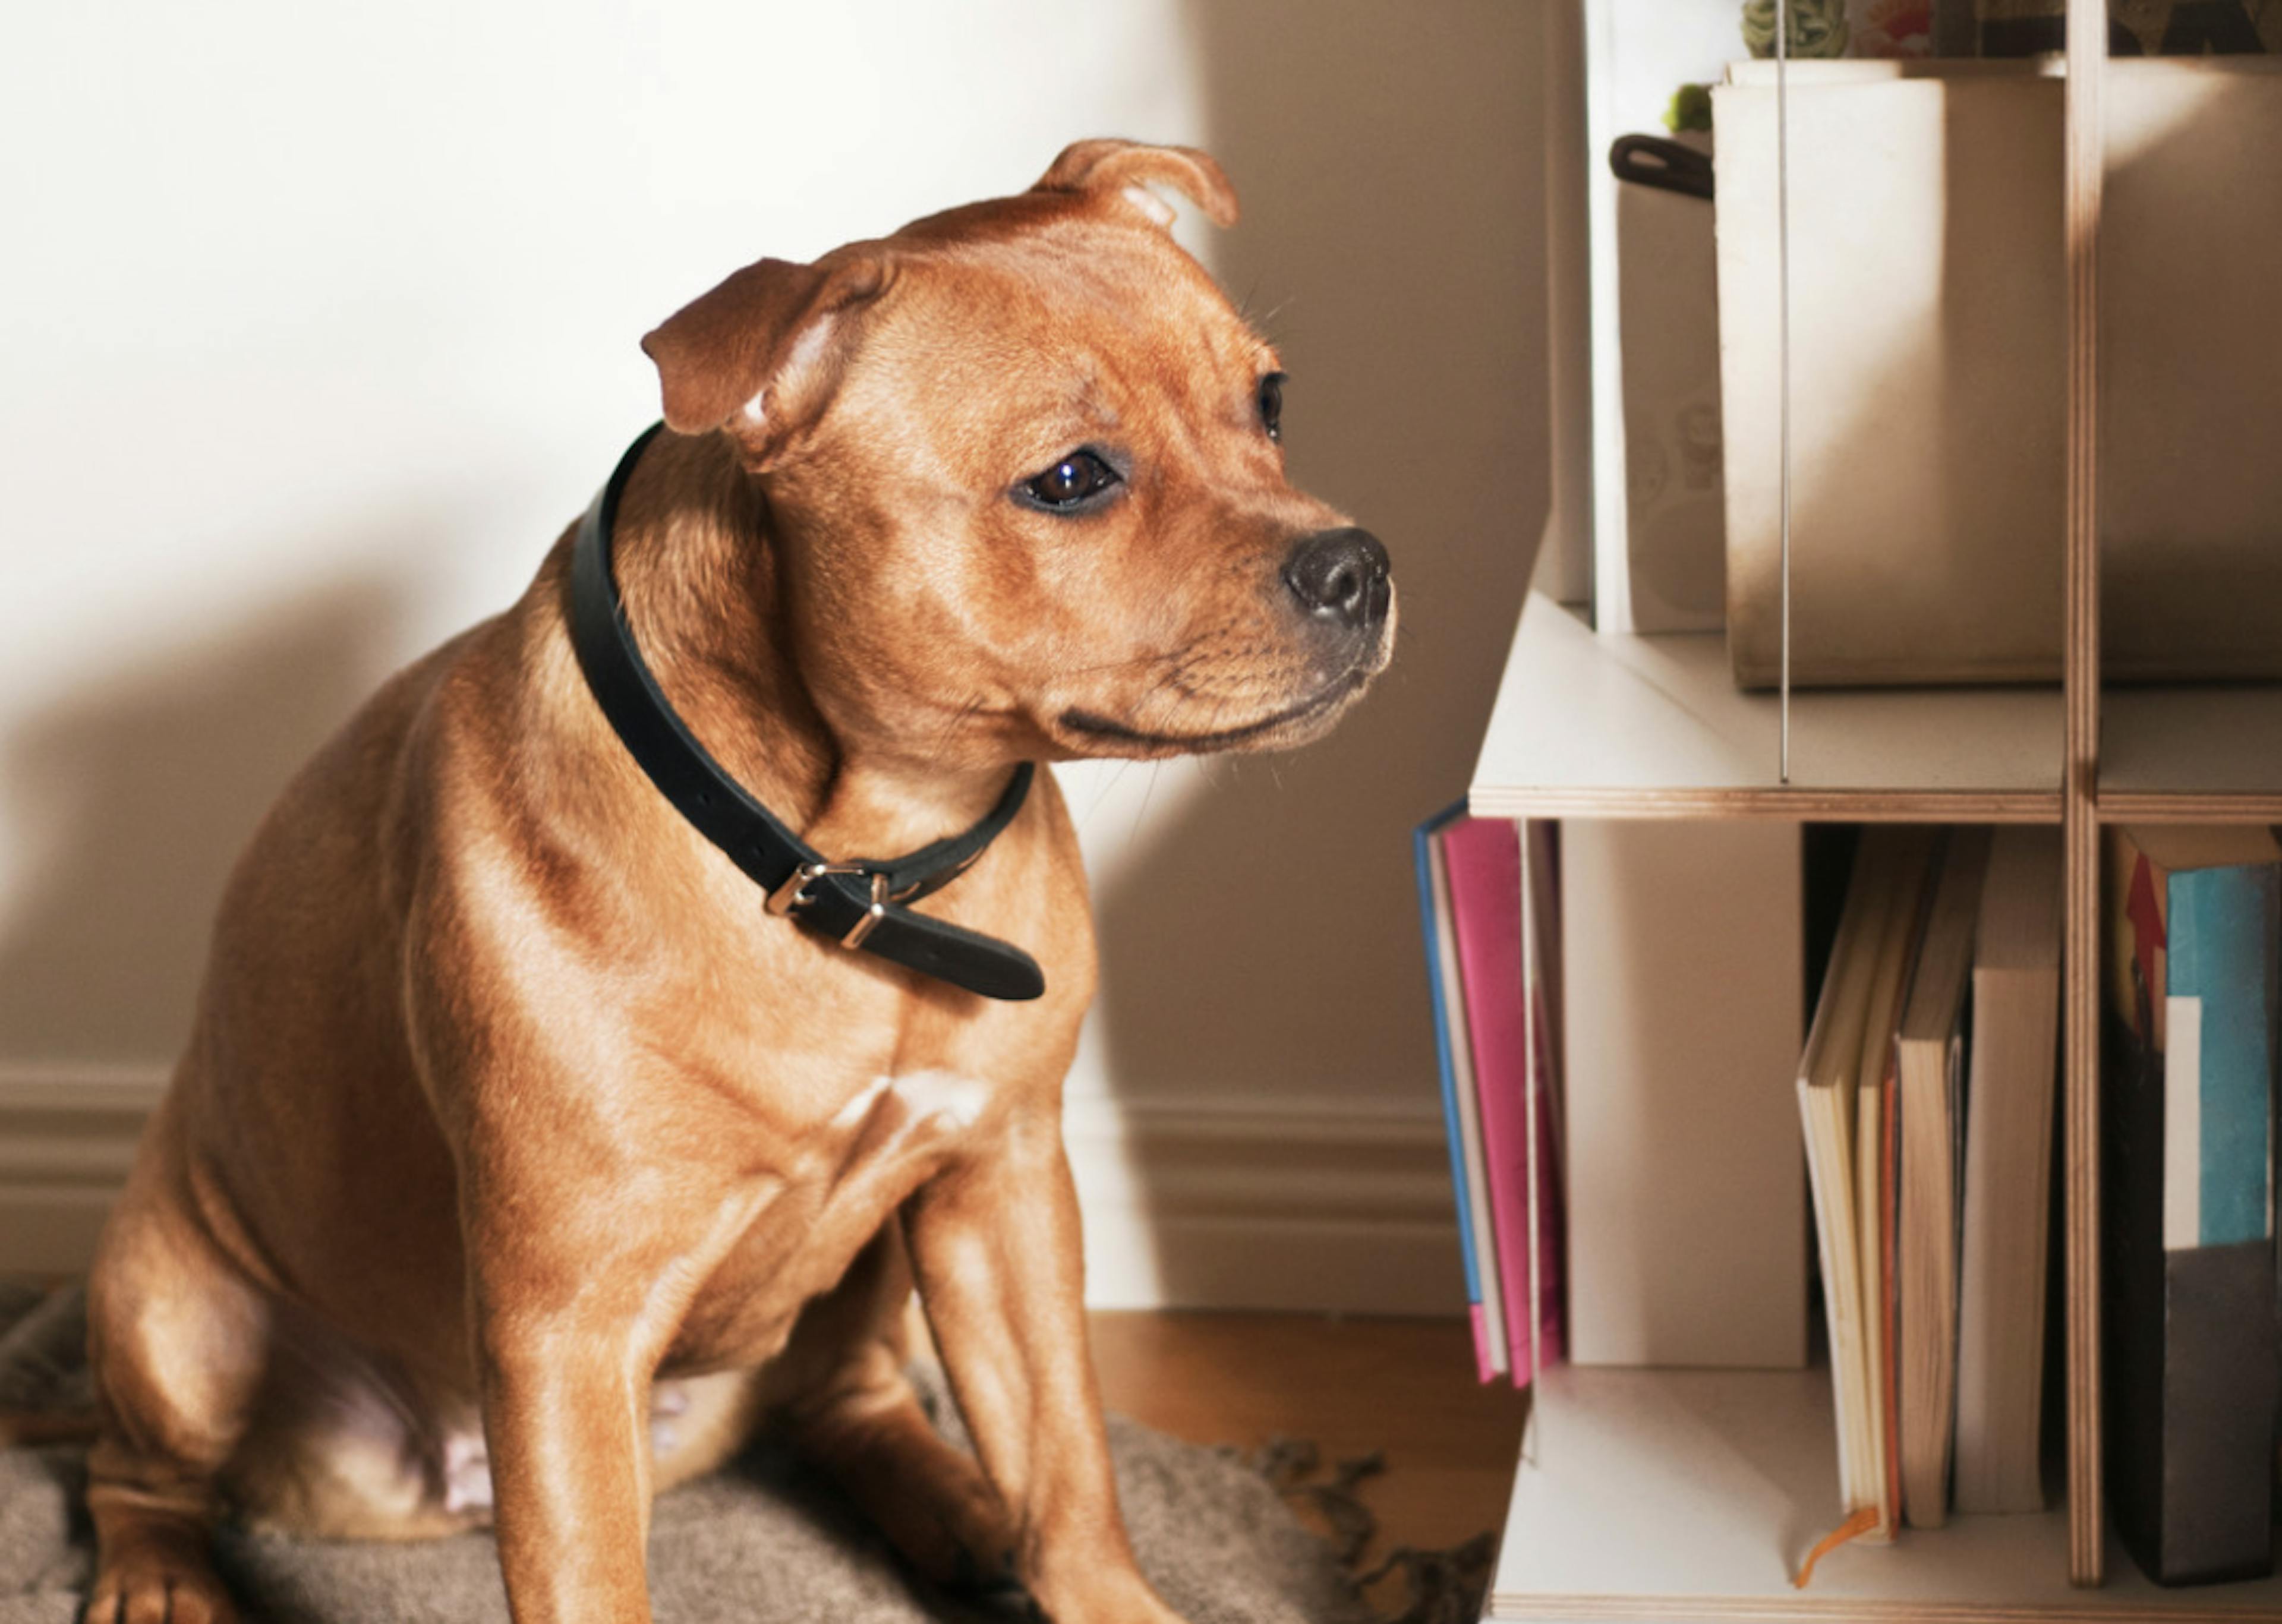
pixel 1390 162
pixel 136 798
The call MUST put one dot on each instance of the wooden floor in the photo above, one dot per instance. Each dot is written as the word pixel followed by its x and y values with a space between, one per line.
pixel 1403 1387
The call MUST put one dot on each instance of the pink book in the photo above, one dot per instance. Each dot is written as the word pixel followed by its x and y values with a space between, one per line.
pixel 1484 859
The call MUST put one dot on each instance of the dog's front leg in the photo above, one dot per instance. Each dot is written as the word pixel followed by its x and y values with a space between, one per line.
pixel 565 1421
pixel 994 1244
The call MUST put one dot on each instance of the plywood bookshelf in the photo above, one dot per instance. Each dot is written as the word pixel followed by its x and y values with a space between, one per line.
pixel 2205 753
pixel 1672 1495
pixel 1651 726
pixel 1657 1495
pixel 1691 1495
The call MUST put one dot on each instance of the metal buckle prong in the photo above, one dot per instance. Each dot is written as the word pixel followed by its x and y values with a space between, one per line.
pixel 869 919
pixel 793 891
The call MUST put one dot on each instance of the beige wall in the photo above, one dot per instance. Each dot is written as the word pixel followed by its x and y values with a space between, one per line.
pixel 1264 933
pixel 320 323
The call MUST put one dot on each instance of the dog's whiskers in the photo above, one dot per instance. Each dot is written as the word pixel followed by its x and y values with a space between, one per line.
pixel 1141 815
pixel 1108 784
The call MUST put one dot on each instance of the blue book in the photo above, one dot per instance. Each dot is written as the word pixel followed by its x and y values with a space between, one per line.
pixel 2219 1072
pixel 1460 1118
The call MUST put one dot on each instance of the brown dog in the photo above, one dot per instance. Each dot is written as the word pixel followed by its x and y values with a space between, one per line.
pixel 521 1161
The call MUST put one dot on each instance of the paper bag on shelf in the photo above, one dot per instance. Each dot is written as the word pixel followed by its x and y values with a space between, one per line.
pixel 1928 372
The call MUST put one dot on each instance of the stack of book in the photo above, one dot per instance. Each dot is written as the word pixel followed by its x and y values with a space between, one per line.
pixel 1489 912
pixel 1926 1092
pixel 2193 1357
pixel 1669 1176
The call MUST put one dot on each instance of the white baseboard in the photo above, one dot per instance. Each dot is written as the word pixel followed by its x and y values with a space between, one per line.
pixel 1326 1203
pixel 66 1137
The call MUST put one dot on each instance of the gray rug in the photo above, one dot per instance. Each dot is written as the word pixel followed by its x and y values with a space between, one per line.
pixel 761 1539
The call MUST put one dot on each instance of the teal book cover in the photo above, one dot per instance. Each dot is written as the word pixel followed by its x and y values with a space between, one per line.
pixel 2219 1082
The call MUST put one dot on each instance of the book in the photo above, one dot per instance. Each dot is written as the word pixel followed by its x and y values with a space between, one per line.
pixel 1887 1348
pixel 1541 878
pixel 2006 1226
pixel 1825 1086
pixel 1851 1041
pixel 1928 1047
pixel 1686 1195
pixel 1461 1119
pixel 1483 857
pixel 1878 1186
pixel 1540 977
pixel 2191 1353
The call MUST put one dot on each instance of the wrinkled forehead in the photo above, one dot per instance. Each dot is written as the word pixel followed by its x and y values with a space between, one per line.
pixel 1072 321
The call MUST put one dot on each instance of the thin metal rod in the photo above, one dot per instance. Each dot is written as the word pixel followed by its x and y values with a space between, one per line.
pixel 2085 179
pixel 1783 392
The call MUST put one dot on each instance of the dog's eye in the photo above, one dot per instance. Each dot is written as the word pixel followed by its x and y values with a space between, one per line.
pixel 1070 481
pixel 1271 405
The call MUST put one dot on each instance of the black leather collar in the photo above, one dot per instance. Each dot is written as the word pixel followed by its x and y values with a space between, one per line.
pixel 858 903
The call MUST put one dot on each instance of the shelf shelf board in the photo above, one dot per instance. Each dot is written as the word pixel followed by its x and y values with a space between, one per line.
pixel 1653 726
pixel 1665 1494
pixel 2191 753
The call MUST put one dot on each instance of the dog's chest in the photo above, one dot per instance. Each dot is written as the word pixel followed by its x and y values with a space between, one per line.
pixel 809 1222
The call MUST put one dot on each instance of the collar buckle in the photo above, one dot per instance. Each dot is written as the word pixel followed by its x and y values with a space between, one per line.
pixel 793 894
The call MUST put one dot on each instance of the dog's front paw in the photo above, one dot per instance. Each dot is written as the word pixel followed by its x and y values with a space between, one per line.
pixel 1103 1597
pixel 157 1586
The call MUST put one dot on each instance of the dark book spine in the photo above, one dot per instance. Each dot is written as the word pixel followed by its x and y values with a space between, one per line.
pixel 2219 1381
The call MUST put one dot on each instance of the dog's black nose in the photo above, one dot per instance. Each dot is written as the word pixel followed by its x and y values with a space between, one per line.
pixel 1341 575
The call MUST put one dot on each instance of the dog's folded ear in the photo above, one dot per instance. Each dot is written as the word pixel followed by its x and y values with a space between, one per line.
pixel 760 355
pixel 1125 170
